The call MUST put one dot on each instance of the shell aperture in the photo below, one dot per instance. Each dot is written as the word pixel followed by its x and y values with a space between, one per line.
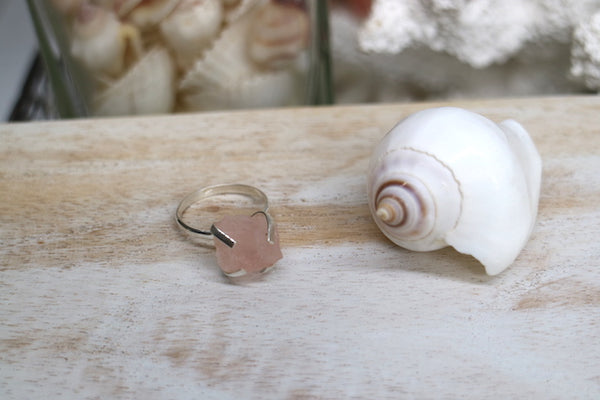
pixel 448 176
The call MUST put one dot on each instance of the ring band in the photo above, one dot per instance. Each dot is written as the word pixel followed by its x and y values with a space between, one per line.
pixel 218 190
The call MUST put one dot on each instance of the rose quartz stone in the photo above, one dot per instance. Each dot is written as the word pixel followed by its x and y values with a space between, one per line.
pixel 251 252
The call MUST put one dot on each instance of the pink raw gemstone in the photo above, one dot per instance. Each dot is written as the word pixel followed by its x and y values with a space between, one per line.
pixel 251 252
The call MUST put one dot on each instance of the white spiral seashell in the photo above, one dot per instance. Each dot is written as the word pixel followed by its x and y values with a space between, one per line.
pixel 146 88
pixel 224 63
pixel 191 27
pixel 98 42
pixel 224 77
pixel 448 176
pixel 278 34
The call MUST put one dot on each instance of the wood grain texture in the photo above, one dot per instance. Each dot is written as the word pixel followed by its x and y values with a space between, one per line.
pixel 102 296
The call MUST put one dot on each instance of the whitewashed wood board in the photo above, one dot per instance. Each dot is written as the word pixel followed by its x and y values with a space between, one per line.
pixel 102 296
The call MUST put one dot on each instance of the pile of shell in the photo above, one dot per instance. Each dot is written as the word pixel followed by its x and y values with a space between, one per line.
pixel 160 56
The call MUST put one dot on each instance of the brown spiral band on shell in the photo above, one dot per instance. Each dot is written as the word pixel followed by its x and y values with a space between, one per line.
pixel 410 190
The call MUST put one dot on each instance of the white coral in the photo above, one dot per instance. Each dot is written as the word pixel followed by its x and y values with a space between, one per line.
pixel 585 53
pixel 477 32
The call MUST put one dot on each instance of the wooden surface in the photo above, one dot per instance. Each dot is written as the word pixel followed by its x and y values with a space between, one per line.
pixel 102 296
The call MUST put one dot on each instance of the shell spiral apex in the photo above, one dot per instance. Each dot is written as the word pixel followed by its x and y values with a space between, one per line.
pixel 450 177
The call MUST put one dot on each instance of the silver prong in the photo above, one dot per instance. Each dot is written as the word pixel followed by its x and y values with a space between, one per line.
pixel 270 225
pixel 222 236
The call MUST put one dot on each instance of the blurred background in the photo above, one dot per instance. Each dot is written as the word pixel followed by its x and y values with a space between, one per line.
pixel 80 58
pixel 18 52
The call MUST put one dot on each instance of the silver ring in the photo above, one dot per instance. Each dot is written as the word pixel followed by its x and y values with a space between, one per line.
pixel 259 199
pixel 219 190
